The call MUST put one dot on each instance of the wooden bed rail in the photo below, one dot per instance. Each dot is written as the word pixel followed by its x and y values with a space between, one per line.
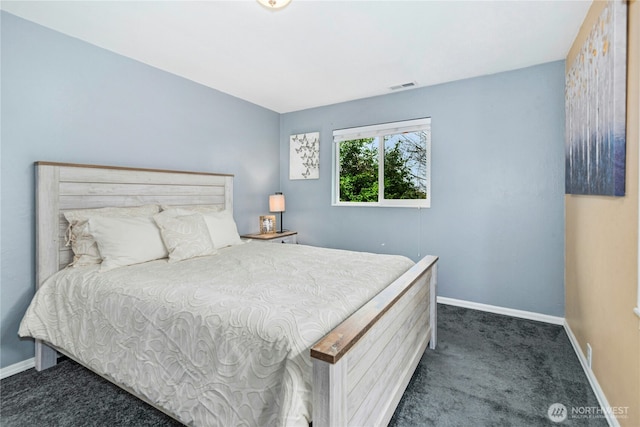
pixel 337 342
pixel 363 366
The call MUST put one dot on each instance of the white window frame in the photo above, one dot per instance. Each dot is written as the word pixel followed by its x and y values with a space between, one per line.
pixel 380 130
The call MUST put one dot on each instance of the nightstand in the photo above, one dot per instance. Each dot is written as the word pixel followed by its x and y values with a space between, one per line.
pixel 284 237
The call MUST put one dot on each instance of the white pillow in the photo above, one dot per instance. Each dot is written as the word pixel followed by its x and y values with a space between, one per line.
pixel 222 228
pixel 85 250
pixel 184 236
pixel 126 241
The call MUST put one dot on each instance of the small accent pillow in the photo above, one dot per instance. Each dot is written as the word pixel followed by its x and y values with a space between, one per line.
pixel 184 236
pixel 85 250
pixel 126 241
pixel 223 229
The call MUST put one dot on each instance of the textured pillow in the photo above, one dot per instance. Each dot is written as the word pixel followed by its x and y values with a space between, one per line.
pixel 223 229
pixel 184 236
pixel 85 250
pixel 126 241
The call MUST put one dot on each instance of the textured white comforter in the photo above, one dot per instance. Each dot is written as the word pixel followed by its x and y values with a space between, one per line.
pixel 217 341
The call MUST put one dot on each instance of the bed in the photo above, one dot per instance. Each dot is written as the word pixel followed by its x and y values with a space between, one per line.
pixel 314 363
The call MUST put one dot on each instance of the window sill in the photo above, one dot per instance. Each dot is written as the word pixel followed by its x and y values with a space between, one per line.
pixel 384 205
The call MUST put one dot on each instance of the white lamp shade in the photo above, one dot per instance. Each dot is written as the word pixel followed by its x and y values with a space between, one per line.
pixel 276 203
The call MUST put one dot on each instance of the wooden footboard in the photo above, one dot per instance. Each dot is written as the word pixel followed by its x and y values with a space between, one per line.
pixel 362 367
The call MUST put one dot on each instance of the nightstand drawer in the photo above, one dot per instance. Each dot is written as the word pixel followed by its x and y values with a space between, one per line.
pixel 293 239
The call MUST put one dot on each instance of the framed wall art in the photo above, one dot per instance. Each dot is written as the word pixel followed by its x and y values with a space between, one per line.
pixel 595 107
pixel 304 156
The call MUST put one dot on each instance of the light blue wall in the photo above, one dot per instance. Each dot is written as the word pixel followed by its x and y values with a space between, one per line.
pixel 497 215
pixel 66 100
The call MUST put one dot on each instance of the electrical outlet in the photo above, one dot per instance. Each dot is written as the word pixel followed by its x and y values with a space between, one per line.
pixel 589 355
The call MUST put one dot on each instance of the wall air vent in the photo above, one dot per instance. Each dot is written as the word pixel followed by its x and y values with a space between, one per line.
pixel 404 86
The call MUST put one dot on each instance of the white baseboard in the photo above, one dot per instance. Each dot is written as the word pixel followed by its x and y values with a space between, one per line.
pixel 593 381
pixel 16 368
pixel 529 315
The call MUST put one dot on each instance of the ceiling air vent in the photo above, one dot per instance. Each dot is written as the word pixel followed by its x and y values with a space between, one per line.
pixel 404 86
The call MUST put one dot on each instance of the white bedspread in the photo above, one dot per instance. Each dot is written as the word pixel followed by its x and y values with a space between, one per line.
pixel 217 341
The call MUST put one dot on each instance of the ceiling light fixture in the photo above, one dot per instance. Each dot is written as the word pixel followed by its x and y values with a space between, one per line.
pixel 274 4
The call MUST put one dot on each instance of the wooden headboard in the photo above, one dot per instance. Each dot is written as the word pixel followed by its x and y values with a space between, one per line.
pixel 66 186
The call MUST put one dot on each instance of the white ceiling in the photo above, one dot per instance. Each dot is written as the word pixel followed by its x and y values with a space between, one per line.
pixel 319 52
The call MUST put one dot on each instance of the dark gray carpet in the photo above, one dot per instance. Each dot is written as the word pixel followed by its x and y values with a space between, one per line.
pixel 493 370
pixel 68 395
pixel 488 370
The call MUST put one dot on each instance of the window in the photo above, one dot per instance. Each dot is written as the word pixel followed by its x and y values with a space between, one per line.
pixel 383 165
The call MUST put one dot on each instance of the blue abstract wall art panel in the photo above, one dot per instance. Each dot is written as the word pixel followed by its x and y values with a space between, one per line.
pixel 595 102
